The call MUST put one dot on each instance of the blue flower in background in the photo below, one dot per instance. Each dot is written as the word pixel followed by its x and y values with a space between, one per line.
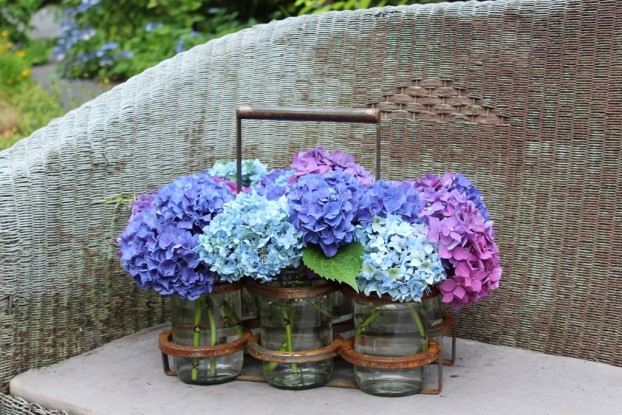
pixel 86 5
pixel 101 51
pixel 152 26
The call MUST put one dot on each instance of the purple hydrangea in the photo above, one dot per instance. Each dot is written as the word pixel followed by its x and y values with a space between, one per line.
pixel 391 198
pixel 141 203
pixel 464 185
pixel 325 208
pixel 275 184
pixel 318 161
pixel 465 240
pixel 157 247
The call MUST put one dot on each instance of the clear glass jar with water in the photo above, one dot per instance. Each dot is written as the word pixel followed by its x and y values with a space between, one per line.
pixel 389 329
pixel 208 321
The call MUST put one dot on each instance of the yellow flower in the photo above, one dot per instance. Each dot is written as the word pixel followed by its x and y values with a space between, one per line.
pixel 25 72
pixel 21 53
pixel 8 45
pixel 5 33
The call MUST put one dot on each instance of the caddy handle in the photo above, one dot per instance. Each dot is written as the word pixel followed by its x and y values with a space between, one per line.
pixel 329 114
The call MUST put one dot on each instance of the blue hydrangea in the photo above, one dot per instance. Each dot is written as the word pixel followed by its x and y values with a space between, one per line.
pixel 192 201
pixel 252 171
pixel 464 185
pixel 392 197
pixel 251 238
pixel 325 208
pixel 399 260
pixel 275 184
pixel 157 246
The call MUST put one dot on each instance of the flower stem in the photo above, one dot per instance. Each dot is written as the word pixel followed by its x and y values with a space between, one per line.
pixel 196 339
pixel 230 312
pixel 213 334
pixel 372 317
pixel 288 332
pixel 420 326
pixel 323 311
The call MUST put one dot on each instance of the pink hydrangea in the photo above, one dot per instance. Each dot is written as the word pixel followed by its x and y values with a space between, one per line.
pixel 465 240
pixel 318 161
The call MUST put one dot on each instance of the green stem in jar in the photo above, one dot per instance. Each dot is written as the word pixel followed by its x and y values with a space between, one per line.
pixel 289 319
pixel 230 312
pixel 196 338
pixel 369 320
pixel 213 334
pixel 420 326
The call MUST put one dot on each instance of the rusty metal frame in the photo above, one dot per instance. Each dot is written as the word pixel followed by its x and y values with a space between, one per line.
pixel 330 114
pixel 306 356
pixel 432 355
pixel 291 293
pixel 168 348
pixel 448 325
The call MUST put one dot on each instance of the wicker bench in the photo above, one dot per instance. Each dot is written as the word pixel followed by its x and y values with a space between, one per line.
pixel 521 96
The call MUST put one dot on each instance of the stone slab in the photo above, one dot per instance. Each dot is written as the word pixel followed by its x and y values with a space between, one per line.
pixel 125 377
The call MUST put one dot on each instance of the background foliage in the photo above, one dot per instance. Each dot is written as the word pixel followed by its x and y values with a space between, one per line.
pixel 116 39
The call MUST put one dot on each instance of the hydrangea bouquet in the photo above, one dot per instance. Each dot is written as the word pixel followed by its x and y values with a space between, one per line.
pixel 401 239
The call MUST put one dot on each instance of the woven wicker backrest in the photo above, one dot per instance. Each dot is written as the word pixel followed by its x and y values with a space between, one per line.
pixel 523 97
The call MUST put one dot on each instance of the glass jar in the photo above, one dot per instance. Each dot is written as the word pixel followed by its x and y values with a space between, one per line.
pixel 433 310
pixel 385 328
pixel 250 309
pixel 295 319
pixel 208 321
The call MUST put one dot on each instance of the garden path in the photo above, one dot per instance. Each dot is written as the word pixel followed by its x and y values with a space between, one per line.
pixel 72 93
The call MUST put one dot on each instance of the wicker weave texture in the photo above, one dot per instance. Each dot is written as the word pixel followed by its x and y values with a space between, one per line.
pixel 521 96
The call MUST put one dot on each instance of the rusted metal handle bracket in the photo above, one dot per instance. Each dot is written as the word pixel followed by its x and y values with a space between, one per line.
pixel 329 114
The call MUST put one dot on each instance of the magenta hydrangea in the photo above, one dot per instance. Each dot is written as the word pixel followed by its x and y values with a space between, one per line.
pixel 318 161
pixel 465 240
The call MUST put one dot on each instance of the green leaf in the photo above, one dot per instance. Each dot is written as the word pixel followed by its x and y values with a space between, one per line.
pixel 344 267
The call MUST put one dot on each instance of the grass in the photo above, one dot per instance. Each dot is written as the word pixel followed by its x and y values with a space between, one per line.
pixel 24 105
pixel 32 108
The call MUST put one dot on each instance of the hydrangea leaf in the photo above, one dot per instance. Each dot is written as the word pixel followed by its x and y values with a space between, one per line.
pixel 343 267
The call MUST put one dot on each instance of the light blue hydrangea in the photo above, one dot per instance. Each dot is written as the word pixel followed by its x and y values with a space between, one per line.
pixel 399 260
pixel 251 238
pixel 252 171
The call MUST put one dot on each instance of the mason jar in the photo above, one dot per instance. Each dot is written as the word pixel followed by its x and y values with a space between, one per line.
pixel 295 317
pixel 389 329
pixel 208 321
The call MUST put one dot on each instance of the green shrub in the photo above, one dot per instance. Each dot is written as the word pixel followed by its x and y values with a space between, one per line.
pixel 15 17
pixel 24 105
